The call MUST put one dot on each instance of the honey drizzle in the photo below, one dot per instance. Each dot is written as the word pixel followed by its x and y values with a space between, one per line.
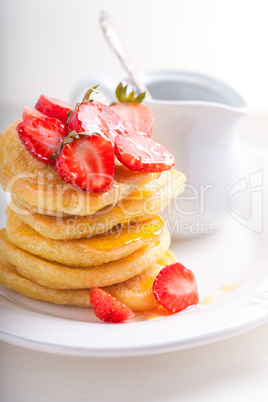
pixel 158 311
pixel 117 237
pixel 222 292
pixel 155 312
pixel 147 231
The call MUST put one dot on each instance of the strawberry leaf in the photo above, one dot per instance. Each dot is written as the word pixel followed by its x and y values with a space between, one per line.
pixel 140 97
pixel 121 94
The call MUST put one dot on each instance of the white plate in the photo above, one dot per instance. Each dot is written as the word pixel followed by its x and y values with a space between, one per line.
pixel 234 257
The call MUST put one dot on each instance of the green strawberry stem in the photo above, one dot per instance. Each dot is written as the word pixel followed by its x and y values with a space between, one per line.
pixel 69 139
pixel 86 98
pixel 121 94
pixel 87 95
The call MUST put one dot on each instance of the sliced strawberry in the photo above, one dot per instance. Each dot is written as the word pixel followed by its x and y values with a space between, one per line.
pixel 142 154
pixel 53 108
pixel 92 117
pixel 30 113
pixel 107 308
pixel 87 162
pixel 136 117
pixel 42 137
pixel 175 288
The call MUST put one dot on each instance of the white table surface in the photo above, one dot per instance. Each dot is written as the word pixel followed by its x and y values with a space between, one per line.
pixel 228 371
pixel 231 370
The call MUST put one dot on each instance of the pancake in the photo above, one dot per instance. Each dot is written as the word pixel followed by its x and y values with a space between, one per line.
pixel 111 246
pixel 141 192
pixel 40 186
pixel 136 293
pixel 38 210
pixel 131 209
pixel 59 276
pixel 10 278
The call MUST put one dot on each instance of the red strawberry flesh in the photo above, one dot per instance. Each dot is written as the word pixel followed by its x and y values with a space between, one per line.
pixel 107 308
pixel 42 137
pixel 136 117
pixel 95 117
pixel 175 288
pixel 140 153
pixel 53 108
pixel 30 113
pixel 87 162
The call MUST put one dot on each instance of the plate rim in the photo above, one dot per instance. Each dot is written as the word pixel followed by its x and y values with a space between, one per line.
pixel 195 341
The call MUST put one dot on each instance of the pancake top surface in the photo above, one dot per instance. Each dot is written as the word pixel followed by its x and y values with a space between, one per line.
pixel 39 184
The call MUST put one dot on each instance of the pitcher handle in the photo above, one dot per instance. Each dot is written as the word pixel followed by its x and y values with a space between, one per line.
pixel 107 86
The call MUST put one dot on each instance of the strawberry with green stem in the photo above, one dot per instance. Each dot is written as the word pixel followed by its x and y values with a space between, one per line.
pixel 86 161
pixel 136 117
pixel 93 116
pixel 85 158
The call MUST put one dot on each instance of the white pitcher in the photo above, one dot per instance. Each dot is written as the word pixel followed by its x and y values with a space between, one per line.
pixel 195 119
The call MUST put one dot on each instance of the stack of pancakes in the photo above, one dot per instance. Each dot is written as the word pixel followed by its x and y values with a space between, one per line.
pixel 60 241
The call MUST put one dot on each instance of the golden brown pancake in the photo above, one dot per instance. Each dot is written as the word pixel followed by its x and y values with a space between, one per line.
pixel 38 211
pixel 10 278
pixel 97 250
pixel 40 186
pixel 59 276
pixel 161 180
pixel 131 209
pixel 136 293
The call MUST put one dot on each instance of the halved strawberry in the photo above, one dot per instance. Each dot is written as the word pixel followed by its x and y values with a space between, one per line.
pixel 137 118
pixel 42 137
pixel 107 308
pixel 93 116
pixel 30 113
pixel 53 108
pixel 86 161
pixel 175 288
pixel 143 154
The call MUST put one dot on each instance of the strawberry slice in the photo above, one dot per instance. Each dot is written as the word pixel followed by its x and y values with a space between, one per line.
pixel 136 117
pixel 53 108
pixel 107 308
pixel 175 288
pixel 86 161
pixel 93 116
pixel 30 113
pixel 142 154
pixel 42 136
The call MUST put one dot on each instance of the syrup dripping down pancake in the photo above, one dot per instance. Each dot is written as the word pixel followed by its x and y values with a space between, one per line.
pixel 60 276
pixel 97 250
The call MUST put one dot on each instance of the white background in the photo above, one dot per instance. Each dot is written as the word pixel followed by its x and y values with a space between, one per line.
pixel 46 47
